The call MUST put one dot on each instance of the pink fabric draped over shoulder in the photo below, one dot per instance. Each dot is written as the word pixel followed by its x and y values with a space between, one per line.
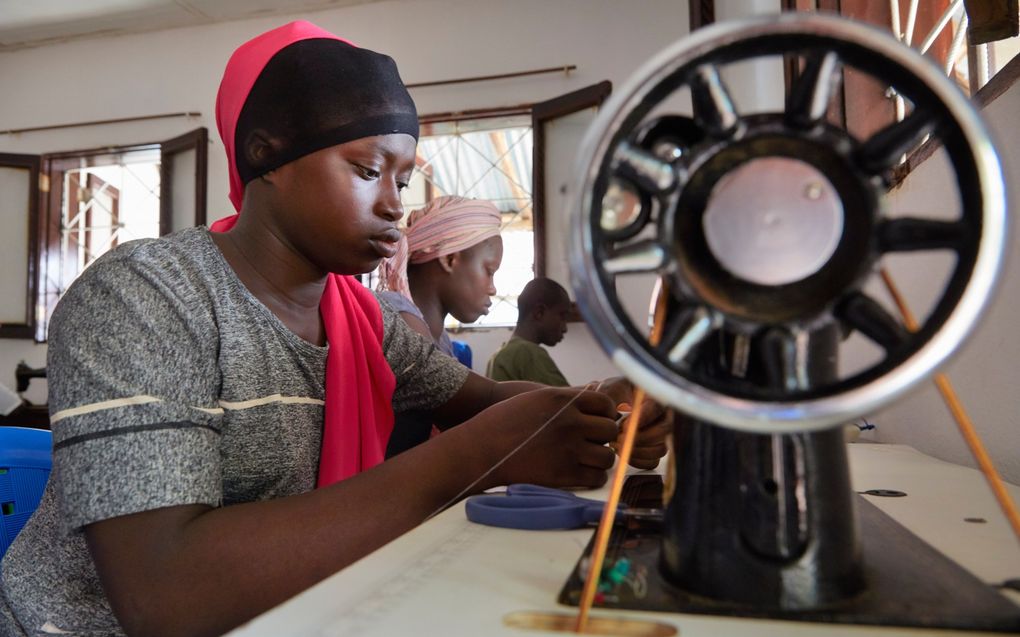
pixel 359 382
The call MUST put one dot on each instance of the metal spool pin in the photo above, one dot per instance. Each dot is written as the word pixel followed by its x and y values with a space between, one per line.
pixel 767 228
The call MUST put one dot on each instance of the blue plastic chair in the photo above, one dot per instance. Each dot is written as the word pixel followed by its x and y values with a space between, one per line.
pixel 462 352
pixel 25 460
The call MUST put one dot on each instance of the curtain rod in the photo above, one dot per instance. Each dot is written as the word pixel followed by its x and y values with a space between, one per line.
pixel 566 69
pixel 14 131
pixel 477 113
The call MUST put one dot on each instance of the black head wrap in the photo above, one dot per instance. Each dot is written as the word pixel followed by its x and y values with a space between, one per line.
pixel 317 93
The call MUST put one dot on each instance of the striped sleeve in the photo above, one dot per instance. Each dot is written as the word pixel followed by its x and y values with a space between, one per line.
pixel 133 380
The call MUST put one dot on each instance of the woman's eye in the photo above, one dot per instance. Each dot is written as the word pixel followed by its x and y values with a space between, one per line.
pixel 401 185
pixel 367 172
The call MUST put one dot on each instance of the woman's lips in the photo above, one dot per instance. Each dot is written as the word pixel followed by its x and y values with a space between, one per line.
pixel 385 243
pixel 385 249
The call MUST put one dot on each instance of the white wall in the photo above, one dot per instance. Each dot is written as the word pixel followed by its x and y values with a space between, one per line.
pixel 986 372
pixel 180 69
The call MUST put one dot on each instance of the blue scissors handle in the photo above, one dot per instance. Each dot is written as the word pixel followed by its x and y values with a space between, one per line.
pixel 532 507
pixel 523 488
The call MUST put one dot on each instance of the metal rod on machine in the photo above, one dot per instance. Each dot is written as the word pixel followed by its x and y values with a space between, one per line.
pixel 598 553
pixel 963 421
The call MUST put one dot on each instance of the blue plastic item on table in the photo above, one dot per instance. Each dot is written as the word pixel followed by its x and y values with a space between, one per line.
pixel 462 352
pixel 25 460
pixel 531 507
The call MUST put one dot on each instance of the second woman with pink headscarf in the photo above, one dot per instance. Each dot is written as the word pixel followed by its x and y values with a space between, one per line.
pixel 444 266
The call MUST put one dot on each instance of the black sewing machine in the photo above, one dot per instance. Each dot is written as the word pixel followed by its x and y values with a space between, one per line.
pixel 27 415
pixel 23 375
pixel 767 232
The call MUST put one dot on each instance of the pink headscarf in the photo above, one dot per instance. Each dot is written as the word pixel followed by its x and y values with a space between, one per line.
pixel 242 70
pixel 359 381
pixel 445 225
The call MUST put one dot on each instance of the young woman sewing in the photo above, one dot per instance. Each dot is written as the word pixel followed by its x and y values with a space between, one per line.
pixel 220 401
pixel 445 263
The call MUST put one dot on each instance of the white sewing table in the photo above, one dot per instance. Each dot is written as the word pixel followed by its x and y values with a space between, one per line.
pixel 454 578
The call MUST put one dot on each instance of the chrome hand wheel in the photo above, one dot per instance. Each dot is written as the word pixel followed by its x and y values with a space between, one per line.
pixel 766 228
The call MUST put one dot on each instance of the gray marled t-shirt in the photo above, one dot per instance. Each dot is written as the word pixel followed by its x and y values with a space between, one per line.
pixel 171 384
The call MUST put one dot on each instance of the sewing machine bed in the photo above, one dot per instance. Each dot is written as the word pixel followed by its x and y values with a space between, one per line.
pixel 909 583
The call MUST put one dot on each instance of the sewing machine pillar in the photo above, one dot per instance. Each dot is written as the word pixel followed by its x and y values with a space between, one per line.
pixel 763 520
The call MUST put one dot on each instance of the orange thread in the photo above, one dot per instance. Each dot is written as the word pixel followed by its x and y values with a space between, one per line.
pixel 629 432
pixel 963 421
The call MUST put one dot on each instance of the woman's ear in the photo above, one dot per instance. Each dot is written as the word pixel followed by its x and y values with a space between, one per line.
pixel 447 261
pixel 259 147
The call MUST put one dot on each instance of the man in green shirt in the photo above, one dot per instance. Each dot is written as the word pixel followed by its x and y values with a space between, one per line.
pixel 543 308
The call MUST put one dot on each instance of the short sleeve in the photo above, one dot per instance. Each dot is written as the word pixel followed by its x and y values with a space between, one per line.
pixel 545 370
pixel 133 386
pixel 399 303
pixel 521 360
pixel 510 362
pixel 426 378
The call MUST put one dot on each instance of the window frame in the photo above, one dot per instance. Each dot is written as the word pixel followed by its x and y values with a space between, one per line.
pixel 47 204
pixel 197 140
pixel 114 213
pixel 541 114
pixel 33 163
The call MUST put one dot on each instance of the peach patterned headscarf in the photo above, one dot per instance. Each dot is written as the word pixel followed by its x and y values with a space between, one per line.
pixel 445 225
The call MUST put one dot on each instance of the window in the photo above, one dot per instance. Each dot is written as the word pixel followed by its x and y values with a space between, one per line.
pixel 19 179
pixel 68 209
pixel 507 157
pixel 96 202
pixel 485 158
pixel 971 42
pixel 559 127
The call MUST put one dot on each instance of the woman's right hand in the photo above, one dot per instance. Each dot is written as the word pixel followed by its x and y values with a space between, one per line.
pixel 570 429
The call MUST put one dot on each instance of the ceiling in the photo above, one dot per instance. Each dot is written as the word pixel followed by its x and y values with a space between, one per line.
pixel 28 23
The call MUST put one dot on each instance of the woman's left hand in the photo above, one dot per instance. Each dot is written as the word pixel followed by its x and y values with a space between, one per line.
pixel 655 425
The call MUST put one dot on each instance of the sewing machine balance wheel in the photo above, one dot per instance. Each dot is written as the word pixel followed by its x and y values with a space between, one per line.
pixel 767 228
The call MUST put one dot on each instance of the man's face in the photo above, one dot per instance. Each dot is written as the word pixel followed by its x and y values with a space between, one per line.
pixel 554 322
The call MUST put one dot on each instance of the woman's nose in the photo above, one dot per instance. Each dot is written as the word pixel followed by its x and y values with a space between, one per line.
pixel 390 206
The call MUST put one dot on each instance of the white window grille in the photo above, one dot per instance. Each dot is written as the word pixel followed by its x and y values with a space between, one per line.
pixel 491 159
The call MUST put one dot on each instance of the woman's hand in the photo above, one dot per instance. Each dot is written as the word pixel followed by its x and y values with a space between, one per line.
pixel 561 434
pixel 655 425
